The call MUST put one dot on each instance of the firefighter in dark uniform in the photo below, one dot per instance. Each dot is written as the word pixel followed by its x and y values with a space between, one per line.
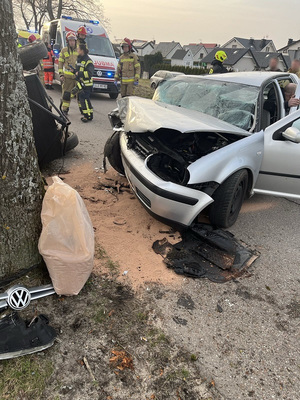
pixel 84 77
pixel 217 63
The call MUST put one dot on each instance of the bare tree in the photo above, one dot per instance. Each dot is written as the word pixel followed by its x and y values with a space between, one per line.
pixel 21 187
pixel 33 13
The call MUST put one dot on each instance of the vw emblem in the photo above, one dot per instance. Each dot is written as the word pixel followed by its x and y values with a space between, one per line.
pixel 18 297
pixel 99 73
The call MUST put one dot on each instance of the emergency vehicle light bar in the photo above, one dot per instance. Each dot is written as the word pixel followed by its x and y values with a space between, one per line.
pixel 92 21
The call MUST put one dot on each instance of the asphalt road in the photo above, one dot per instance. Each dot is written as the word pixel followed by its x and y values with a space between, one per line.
pixel 246 333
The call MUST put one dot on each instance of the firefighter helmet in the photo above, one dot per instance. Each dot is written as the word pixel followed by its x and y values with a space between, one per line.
pixel 221 55
pixel 32 38
pixel 127 42
pixel 82 30
pixel 70 35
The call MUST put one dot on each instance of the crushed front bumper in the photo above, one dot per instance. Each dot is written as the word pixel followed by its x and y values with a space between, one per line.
pixel 167 200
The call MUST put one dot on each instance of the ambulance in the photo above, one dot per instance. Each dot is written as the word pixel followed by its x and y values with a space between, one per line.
pixel 100 50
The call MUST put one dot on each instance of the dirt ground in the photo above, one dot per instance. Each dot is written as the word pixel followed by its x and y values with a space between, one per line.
pixel 111 340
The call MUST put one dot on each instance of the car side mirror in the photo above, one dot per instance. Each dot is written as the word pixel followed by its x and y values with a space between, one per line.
pixel 292 134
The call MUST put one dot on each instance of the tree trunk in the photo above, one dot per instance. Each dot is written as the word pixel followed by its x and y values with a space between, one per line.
pixel 21 187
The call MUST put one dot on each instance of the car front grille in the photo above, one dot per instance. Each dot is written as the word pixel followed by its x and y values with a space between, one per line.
pixel 143 197
pixel 103 73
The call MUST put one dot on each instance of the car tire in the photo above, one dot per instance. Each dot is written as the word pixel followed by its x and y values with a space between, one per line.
pixel 112 152
pixel 228 200
pixel 153 85
pixel 72 141
pixel 31 54
pixel 113 96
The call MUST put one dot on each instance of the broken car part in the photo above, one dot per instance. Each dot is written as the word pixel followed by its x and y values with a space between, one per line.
pixel 205 252
pixel 18 297
pixel 19 337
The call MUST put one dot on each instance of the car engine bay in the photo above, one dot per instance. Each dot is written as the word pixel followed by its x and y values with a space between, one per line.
pixel 170 152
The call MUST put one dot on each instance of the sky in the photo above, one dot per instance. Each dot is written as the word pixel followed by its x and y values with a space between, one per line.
pixel 193 21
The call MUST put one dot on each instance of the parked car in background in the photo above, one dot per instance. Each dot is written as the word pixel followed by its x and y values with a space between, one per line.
pixel 161 76
pixel 207 142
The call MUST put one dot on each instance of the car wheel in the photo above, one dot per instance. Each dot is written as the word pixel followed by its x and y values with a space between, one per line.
pixel 113 95
pixel 112 152
pixel 228 200
pixel 31 54
pixel 153 85
pixel 72 141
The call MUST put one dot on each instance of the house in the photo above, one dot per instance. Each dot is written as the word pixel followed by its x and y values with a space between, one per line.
pixel 291 51
pixel 264 45
pixel 143 47
pixel 198 51
pixel 237 59
pixel 182 57
pixel 167 49
pixel 292 45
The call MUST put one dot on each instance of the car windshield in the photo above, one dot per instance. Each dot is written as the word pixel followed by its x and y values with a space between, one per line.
pixel 99 46
pixel 231 102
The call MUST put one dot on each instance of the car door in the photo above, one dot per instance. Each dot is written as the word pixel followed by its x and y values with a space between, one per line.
pixel 280 170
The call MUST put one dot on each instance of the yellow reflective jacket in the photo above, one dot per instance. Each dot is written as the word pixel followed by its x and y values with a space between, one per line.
pixel 67 56
pixel 129 68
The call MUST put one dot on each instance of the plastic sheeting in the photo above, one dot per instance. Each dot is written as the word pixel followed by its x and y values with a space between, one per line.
pixel 67 239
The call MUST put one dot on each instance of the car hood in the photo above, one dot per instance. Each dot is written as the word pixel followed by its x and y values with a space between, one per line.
pixel 144 115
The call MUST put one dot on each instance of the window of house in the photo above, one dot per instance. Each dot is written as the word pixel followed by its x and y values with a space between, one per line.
pixel 201 55
pixel 268 49
pixel 234 46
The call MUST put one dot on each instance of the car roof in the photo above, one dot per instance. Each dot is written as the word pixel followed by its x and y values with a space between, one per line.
pixel 254 78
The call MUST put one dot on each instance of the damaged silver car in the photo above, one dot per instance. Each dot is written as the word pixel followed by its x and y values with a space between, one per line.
pixel 208 143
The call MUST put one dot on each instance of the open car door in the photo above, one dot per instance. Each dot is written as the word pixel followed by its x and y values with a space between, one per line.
pixel 280 170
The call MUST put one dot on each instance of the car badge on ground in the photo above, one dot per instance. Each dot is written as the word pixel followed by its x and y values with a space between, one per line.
pixel 19 297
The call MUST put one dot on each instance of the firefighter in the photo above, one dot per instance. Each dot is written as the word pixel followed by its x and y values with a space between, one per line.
pixel 81 35
pixel 217 63
pixel 128 69
pixel 48 67
pixel 66 64
pixel 84 76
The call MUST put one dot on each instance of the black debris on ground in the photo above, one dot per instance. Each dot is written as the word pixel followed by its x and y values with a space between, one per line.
pixel 205 252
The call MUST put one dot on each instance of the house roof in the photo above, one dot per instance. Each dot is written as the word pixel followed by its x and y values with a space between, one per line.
pixel 253 44
pixel 209 45
pixel 233 55
pixel 195 48
pixel 165 48
pixel 291 43
pixel 262 59
pixel 179 54
pixel 140 44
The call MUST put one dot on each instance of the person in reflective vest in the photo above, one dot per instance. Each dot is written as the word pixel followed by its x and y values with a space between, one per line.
pixel 84 86
pixel 66 65
pixel 48 67
pixel 128 69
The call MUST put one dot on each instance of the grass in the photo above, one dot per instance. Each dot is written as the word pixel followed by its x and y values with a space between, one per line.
pixel 144 89
pixel 113 267
pixel 24 377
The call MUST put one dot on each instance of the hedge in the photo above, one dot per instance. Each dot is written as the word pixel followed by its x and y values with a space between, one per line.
pixel 178 68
